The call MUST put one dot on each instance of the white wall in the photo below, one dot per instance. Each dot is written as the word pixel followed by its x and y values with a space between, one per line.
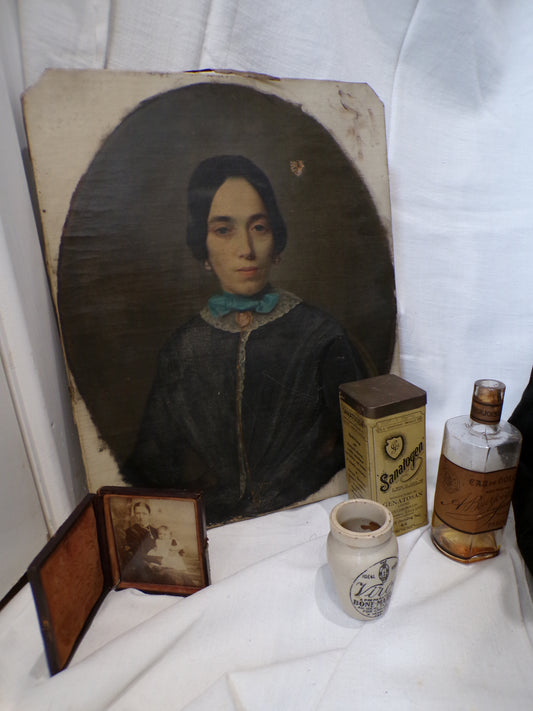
pixel 41 474
pixel 23 530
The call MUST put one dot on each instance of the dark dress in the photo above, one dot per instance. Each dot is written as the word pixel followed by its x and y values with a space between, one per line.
pixel 522 418
pixel 248 415
pixel 139 541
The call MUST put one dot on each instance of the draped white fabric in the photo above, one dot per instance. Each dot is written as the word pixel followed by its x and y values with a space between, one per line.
pixel 269 634
pixel 456 80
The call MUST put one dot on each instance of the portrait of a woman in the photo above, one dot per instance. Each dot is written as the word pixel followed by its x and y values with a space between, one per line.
pixel 244 403
pixel 225 262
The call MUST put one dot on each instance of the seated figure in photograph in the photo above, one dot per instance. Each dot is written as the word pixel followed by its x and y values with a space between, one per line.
pixel 139 539
pixel 167 559
pixel 244 405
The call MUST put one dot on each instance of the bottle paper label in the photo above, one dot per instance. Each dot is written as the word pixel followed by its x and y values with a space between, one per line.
pixel 473 502
pixel 371 591
pixel 487 413
pixel 386 462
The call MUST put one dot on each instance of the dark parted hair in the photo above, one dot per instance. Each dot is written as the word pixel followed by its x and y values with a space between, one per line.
pixel 137 504
pixel 207 178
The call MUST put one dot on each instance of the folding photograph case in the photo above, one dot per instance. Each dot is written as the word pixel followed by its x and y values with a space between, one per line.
pixel 120 537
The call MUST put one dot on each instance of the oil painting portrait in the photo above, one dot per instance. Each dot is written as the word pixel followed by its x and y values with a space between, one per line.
pixel 224 264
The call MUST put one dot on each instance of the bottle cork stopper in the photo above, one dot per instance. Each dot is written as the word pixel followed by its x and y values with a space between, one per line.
pixel 487 401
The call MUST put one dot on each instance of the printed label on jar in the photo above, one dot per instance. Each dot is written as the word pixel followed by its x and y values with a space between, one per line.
pixel 473 502
pixel 370 592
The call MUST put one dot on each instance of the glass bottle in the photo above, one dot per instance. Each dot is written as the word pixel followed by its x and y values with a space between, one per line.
pixel 476 476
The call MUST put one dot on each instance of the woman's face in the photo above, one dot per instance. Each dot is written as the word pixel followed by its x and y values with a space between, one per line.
pixel 239 242
pixel 141 515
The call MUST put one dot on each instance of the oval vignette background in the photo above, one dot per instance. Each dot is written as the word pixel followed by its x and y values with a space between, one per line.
pixel 126 279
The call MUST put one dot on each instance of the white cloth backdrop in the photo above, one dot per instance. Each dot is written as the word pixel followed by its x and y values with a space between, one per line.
pixel 456 79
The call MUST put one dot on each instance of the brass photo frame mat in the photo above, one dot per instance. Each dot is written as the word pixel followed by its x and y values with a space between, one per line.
pixel 182 513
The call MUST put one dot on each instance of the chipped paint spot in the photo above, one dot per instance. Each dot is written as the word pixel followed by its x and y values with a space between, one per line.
pixel 297 167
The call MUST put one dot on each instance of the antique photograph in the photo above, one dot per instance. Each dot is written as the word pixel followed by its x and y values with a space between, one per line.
pixel 223 266
pixel 158 543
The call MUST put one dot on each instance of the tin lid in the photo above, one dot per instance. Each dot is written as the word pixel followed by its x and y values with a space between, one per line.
pixel 382 396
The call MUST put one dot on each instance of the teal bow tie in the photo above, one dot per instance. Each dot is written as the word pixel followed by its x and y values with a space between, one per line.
pixel 225 303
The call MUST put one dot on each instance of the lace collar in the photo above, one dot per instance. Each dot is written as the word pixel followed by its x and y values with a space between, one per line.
pixel 229 322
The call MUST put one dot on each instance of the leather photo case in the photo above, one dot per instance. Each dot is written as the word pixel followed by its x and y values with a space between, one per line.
pixel 121 537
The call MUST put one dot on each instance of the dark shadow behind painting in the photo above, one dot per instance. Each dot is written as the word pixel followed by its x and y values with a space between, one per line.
pixel 126 278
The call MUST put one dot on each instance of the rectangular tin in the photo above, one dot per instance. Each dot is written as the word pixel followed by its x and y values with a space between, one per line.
pixel 383 422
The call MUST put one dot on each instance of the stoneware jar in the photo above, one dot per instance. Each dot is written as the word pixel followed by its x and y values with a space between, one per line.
pixel 363 556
